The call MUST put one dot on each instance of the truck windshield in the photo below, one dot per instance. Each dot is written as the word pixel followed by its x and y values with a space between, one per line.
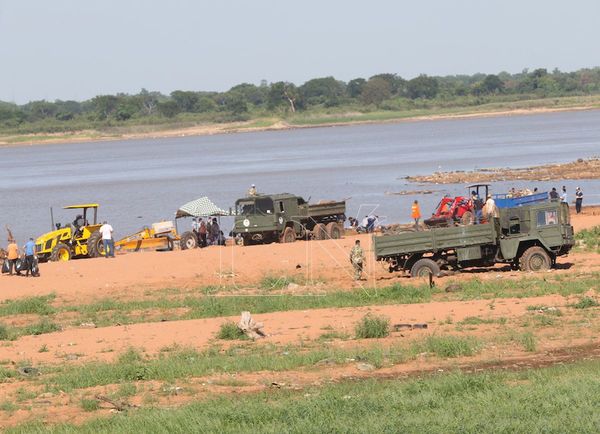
pixel 258 206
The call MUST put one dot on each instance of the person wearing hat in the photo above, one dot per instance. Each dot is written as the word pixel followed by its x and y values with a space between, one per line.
pixel 578 199
pixel 252 190
pixel 490 210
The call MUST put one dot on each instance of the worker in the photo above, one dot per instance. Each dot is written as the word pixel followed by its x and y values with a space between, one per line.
pixel 202 232
pixel 490 210
pixel 12 254
pixel 215 232
pixel 553 194
pixel 477 206
pixel 252 190
pixel 29 249
pixel 578 199
pixel 563 196
pixel 356 259
pixel 107 239
pixel 416 214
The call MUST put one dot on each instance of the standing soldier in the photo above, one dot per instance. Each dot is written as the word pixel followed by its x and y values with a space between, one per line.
pixel 252 190
pixel 416 213
pixel 356 259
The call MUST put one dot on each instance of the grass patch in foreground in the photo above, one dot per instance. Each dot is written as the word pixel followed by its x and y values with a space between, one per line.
pixel 589 239
pixel 448 346
pixel 29 305
pixel 372 327
pixel 230 331
pixel 585 302
pixel 561 399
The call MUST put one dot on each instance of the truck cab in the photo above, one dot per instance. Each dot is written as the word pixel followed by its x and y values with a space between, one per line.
pixel 263 218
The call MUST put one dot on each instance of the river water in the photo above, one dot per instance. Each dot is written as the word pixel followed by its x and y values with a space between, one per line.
pixel 138 182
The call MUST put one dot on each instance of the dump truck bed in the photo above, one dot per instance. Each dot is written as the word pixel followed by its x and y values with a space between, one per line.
pixel 433 240
pixel 327 209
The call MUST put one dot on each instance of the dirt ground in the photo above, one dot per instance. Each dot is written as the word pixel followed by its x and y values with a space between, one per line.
pixel 131 275
pixel 138 276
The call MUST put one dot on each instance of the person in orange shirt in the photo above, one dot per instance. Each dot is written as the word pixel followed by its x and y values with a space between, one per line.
pixel 12 255
pixel 416 213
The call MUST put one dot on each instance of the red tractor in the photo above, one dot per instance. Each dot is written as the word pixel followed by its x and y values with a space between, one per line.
pixel 459 209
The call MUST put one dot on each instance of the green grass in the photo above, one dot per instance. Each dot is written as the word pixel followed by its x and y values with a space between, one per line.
pixel 271 282
pixel 448 346
pixel 476 320
pixel 585 302
pixel 43 326
pixel 29 305
pixel 589 239
pixel 230 331
pixel 89 404
pixel 372 327
pixel 528 341
pixel 561 399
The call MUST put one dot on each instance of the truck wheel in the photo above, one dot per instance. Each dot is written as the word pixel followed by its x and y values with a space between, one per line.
pixel 535 259
pixel 289 236
pixel 60 252
pixel 424 267
pixel 333 231
pixel 319 232
pixel 95 246
pixel 467 218
pixel 188 241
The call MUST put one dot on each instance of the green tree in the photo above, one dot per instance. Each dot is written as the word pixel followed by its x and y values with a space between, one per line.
pixel 492 84
pixel 326 90
pixel 396 83
pixel 168 108
pixel 284 93
pixel 104 105
pixel 355 87
pixel 185 100
pixel 422 87
pixel 375 91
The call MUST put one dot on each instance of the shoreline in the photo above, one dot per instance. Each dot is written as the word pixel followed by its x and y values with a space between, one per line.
pixel 90 136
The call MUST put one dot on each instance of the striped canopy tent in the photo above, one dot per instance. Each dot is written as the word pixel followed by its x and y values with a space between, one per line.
pixel 202 207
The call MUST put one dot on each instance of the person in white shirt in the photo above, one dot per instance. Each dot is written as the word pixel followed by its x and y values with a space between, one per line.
pixel 563 196
pixel 107 239
pixel 490 210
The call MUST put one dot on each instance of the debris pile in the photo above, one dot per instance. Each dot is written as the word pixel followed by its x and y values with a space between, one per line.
pixel 580 169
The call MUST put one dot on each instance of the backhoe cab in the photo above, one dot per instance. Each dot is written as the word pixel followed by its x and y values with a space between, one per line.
pixel 75 239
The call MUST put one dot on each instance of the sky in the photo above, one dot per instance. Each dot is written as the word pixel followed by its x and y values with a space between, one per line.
pixel 74 49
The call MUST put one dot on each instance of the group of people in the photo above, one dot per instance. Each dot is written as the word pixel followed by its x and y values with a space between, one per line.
pixel 563 197
pixel 13 254
pixel 208 232
pixel 368 223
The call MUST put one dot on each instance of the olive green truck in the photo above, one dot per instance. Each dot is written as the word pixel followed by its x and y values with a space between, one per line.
pixel 268 218
pixel 529 238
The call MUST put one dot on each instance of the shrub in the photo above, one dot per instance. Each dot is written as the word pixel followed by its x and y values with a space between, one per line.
pixel 585 302
pixel 448 346
pixel 372 326
pixel 230 331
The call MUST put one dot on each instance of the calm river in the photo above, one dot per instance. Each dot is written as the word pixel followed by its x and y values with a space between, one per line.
pixel 138 182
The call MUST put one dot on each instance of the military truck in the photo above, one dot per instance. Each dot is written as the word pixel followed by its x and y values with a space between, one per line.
pixel 268 218
pixel 529 238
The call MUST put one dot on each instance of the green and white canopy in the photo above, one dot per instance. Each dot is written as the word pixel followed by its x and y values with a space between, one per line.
pixel 202 207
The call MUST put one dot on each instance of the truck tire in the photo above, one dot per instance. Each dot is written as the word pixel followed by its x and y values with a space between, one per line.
pixel 319 232
pixel 61 252
pixel 467 218
pixel 95 246
pixel 289 236
pixel 188 241
pixel 535 259
pixel 333 231
pixel 424 267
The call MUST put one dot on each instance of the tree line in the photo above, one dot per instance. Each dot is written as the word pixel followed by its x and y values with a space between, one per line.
pixel 244 101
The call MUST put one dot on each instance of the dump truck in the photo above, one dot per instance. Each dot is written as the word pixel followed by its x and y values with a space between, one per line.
pixel 285 217
pixel 79 239
pixel 528 237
